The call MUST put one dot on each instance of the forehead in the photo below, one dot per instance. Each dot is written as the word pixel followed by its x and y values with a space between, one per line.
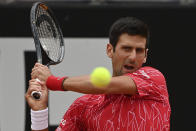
pixel 132 40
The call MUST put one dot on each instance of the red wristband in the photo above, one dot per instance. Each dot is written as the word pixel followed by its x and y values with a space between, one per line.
pixel 55 83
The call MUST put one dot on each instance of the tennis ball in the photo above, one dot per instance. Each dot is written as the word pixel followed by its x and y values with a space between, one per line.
pixel 100 77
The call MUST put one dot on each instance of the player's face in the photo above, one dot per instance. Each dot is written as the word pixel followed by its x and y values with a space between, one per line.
pixel 129 55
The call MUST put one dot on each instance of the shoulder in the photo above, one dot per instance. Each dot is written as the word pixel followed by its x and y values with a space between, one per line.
pixel 150 83
pixel 148 78
pixel 149 73
pixel 147 70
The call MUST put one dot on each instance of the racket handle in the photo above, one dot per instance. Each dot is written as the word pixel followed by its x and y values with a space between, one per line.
pixel 36 94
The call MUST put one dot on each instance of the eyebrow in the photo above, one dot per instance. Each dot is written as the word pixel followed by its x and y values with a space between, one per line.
pixel 127 46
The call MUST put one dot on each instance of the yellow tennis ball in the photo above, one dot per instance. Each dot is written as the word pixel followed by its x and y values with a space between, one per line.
pixel 100 77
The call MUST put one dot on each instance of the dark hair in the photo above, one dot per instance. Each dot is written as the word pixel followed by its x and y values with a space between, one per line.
pixel 129 25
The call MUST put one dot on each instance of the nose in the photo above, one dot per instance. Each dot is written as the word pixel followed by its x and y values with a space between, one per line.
pixel 132 55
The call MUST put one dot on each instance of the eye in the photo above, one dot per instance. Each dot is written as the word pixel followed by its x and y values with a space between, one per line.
pixel 140 50
pixel 127 49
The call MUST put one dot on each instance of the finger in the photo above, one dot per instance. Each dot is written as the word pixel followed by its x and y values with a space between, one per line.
pixel 33 76
pixel 36 69
pixel 36 72
pixel 31 89
pixel 42 83
pixel 43 87
pixel 35 82
pixel 34 85
pixel 45 91
pixel 33 69
pixel 38 65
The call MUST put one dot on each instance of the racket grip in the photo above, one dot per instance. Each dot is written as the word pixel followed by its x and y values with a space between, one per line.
pixel 36 94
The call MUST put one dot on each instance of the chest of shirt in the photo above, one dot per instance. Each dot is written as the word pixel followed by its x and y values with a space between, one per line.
pixel 121 112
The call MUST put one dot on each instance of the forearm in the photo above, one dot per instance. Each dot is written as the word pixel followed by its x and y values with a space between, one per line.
pixel 117 85
pixel 81 84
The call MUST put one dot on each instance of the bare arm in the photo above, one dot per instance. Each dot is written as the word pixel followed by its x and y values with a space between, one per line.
pixel 82 84
pixel 118 85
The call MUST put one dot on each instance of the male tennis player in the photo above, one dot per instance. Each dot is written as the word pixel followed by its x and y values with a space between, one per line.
pixel 135 100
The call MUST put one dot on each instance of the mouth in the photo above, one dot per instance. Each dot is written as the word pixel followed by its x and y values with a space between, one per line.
pixel 129 68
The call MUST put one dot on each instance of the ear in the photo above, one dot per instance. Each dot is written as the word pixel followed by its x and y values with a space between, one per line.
pixel 146 54
pixel 109 50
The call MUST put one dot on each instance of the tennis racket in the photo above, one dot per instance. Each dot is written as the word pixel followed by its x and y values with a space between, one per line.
pixel 48 38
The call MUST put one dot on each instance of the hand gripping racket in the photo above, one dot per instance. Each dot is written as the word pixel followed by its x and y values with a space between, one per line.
pixel 47 36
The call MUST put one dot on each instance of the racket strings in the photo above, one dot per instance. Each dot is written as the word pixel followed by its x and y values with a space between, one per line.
pixel 48 34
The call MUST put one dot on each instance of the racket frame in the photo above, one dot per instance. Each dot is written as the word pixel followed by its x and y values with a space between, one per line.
pixel 39 49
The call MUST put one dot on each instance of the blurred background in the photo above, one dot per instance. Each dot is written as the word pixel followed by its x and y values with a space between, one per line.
pixel 85 25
